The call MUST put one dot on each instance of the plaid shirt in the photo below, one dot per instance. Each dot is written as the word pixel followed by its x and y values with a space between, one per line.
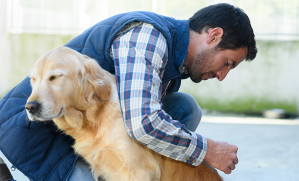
pixel 140 55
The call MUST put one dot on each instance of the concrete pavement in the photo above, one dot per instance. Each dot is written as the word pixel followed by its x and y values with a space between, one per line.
pixel 268 149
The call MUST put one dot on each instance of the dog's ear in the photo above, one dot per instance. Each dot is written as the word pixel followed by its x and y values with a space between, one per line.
pixel 96 80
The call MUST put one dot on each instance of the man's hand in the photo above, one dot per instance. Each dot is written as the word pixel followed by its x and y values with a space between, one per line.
pixel 221 155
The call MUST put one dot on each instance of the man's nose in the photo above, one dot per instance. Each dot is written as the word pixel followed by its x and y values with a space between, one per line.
pixel 222 74
pixel 32 107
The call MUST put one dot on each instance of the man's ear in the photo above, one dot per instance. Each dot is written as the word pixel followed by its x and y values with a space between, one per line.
pixel 214 35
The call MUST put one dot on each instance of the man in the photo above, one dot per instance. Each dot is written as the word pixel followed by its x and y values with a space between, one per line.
pixel 149 54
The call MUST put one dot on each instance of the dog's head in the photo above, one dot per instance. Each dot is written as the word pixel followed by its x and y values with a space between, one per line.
pixel 62 79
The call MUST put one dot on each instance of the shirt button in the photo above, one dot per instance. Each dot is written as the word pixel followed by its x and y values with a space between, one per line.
pixel 188 158
pixel 154 84
pixel 193 161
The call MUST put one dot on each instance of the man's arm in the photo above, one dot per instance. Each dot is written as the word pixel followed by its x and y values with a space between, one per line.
pixel 140 56
pixel 140 61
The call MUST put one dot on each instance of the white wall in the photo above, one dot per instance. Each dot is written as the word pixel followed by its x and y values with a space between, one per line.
pixel 18 52
pixel 5 63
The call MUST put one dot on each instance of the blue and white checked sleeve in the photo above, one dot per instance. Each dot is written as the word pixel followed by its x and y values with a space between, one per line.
pixel 140 56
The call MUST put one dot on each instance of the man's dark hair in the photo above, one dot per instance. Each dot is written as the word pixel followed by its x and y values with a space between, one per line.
pixel 237 30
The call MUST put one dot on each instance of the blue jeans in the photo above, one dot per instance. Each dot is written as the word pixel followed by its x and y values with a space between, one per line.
pixel 180 106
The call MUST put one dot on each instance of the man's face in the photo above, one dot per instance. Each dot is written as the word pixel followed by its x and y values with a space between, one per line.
pixel 209 63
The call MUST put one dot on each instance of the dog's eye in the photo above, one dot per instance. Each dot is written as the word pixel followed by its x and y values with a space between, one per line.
pixel 52 77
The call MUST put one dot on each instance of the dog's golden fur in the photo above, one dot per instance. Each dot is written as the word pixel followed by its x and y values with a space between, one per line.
pixel 82 100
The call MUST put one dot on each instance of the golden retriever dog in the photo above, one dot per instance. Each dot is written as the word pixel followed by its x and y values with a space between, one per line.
pixel 81 98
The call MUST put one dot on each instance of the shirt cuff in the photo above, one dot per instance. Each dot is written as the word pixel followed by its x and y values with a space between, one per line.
pixel 197 150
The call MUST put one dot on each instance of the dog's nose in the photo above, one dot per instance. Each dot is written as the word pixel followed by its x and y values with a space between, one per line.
pixel 32 107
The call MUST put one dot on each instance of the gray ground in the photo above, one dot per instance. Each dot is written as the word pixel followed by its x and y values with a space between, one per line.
pixel 268 149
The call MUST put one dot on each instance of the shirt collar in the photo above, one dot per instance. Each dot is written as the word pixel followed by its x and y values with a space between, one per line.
pixel 183 67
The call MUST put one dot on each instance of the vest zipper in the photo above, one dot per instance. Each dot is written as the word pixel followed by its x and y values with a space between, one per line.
pixel 71 171
pixel 164 93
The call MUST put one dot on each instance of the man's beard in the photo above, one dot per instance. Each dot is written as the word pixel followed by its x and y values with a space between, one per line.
pixel 201 65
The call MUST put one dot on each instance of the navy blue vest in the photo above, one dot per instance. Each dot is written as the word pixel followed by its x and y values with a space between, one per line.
pixel 38 149
pixel 96 41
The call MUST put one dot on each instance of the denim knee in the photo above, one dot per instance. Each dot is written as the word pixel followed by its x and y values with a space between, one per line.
pixel 81 171
pixel 184 108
